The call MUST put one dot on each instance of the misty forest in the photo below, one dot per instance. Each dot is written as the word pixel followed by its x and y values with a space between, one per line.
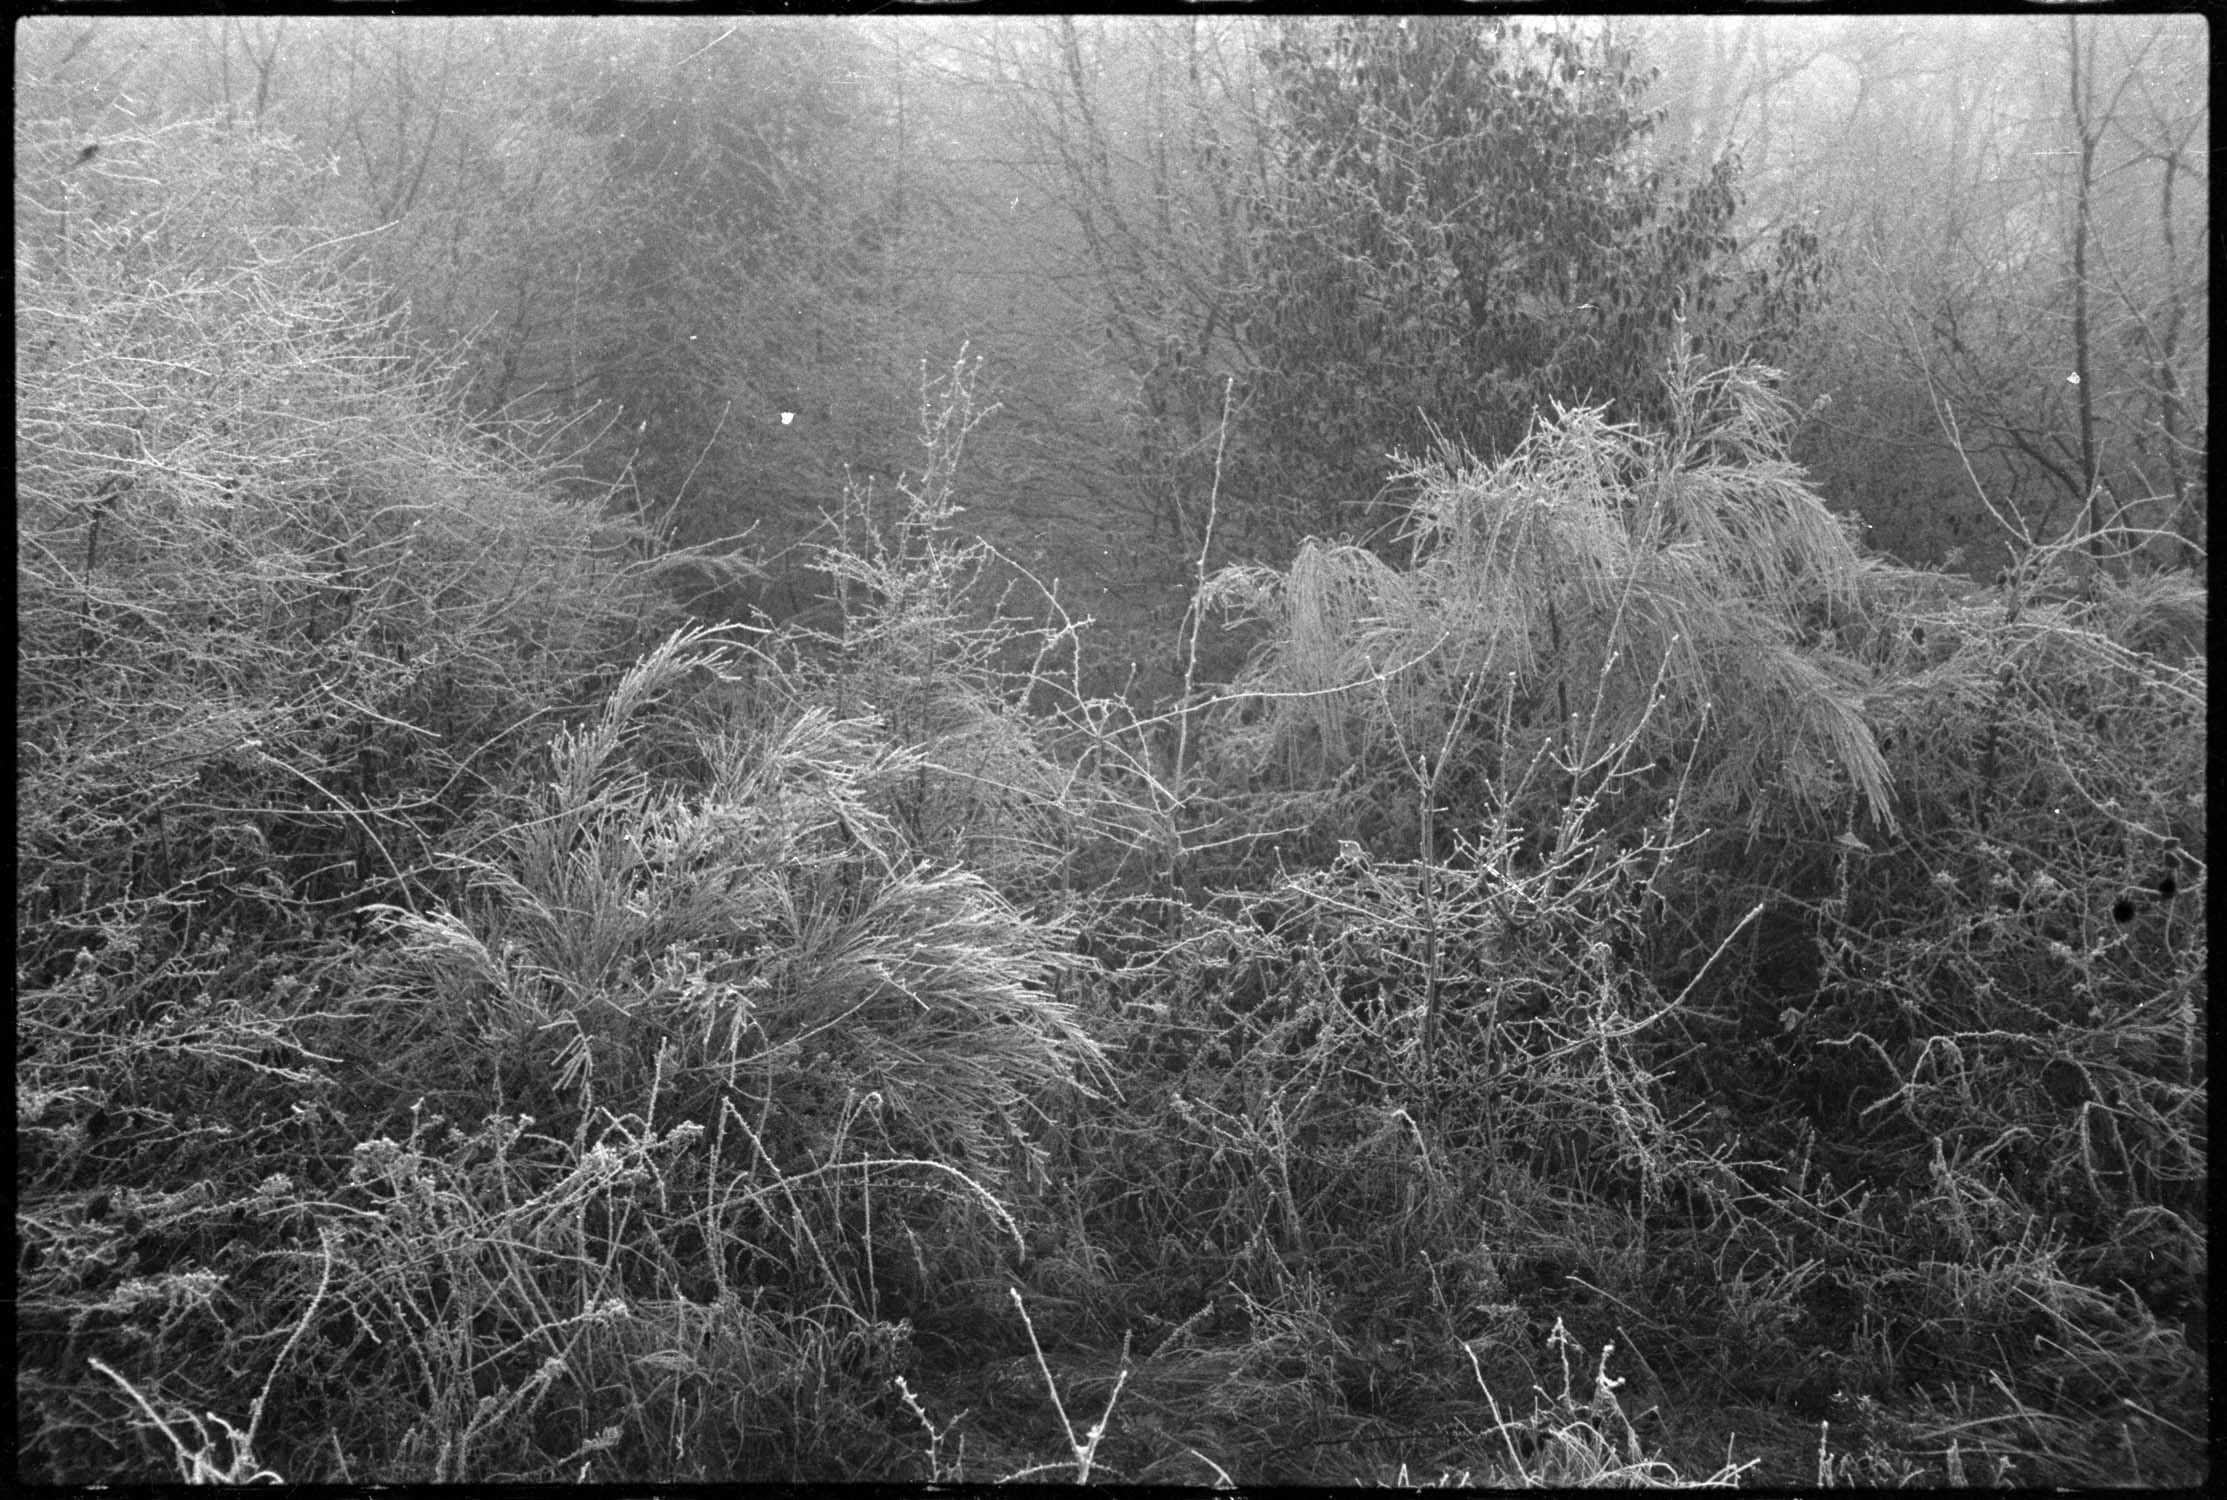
pixel 1180 750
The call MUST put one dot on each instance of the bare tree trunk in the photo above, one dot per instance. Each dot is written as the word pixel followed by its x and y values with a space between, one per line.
pixel 2083 392
pixel 2172 407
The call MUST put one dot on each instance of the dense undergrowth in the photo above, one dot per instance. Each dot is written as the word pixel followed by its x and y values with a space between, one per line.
pixel 1633 989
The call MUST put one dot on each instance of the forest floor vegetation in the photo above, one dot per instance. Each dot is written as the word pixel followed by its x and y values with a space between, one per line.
pixel 1621 988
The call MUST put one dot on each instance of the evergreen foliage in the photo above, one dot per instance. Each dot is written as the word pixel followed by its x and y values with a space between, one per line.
pixel 1458 234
